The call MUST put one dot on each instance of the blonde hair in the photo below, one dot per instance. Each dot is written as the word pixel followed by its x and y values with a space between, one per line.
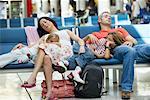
pixel 117 37
pixel 52 36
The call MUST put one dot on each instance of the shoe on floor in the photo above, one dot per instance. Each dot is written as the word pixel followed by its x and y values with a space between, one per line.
pixel 125 95
pixel 27 85
pixel 75 75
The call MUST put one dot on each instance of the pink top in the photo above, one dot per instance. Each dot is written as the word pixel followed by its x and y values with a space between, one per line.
pixel 32 34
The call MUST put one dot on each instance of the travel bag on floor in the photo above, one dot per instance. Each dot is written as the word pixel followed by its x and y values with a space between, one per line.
pixel 94 78
pixel 60 88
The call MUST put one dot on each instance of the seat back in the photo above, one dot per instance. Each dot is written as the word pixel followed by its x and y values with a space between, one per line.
pixel 58 21
pixel 16 22
pixel 85 30
pixel 28 21
pixel 69 21
pixel 140 32
pixel 94 20
pixel 10 37
pixel 3 23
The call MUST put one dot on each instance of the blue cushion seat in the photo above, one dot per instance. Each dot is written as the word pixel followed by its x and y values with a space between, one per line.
pixel 19 66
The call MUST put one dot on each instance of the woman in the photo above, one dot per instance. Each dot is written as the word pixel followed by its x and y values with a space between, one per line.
pixel 48 26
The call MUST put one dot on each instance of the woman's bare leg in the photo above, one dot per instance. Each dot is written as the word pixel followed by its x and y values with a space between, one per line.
pixel 37 66
pixel 48 74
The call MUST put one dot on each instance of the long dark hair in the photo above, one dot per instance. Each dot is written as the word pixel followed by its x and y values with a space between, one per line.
pixel 40 30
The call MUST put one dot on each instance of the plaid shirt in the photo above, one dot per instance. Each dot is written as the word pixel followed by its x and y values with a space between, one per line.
pixel 98 47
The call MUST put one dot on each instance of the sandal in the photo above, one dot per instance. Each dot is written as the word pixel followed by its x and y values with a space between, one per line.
pixel 125 95
pixel 44 97
pixel 27 85
pixel 60 67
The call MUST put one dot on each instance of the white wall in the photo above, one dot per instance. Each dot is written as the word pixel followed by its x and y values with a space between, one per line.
pixel 103 5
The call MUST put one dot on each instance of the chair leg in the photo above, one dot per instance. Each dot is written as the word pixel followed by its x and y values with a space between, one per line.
pixel 114 76
pixel 107 73
pixel 119 75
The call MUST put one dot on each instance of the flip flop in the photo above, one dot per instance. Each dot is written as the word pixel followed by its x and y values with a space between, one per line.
pixel 27 85
pixel 60 69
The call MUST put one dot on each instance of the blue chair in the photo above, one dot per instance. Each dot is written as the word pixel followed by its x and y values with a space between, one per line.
pixel 123 19
pixel 9 37
pixel 85 30
pixel 3 23
pixel 15 23
pixel 134 33
pixel 94 20
pixel 69 21
pixel 146 19
pixel 57 20
pixel 113 20
pixel 28 21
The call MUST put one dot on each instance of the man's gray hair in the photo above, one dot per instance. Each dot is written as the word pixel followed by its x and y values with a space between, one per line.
pixel 101 15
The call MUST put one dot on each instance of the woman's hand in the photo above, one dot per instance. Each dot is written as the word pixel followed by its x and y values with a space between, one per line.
pixel 82 49
pixel 110 44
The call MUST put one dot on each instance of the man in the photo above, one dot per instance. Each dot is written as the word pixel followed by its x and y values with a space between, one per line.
pixel 125 52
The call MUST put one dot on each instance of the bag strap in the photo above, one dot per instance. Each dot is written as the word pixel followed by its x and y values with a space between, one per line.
pixel 63 76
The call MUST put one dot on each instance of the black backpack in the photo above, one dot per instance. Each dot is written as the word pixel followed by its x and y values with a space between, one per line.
pixel 94 78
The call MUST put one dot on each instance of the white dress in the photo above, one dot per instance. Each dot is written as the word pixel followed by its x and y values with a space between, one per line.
pixel 17 56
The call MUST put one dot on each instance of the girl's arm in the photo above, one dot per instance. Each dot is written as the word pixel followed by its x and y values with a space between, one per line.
pixel 57 43
pixel 107 53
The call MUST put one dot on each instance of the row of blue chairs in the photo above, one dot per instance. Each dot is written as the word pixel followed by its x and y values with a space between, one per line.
pixel 120 19
pixel 17 22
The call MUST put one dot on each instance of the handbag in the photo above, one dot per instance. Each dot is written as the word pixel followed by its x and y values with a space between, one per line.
pixel 60 88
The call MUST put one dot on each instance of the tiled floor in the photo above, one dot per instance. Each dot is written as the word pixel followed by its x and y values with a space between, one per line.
pixel 10 87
